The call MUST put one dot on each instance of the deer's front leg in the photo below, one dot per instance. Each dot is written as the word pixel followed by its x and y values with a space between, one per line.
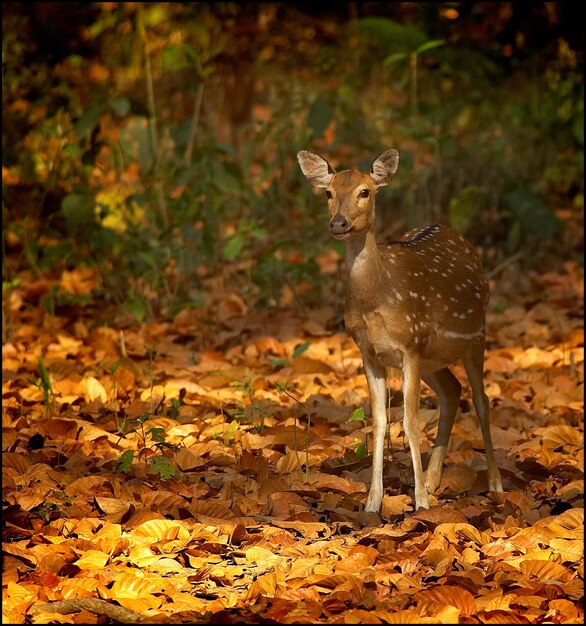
pixel 377 387
pixel 411 390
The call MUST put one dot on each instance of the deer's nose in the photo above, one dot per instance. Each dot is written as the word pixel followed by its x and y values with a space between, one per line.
pixel 338 224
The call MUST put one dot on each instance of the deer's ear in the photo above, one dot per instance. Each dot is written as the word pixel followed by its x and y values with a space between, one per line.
pixel 384 167
pixel 315 168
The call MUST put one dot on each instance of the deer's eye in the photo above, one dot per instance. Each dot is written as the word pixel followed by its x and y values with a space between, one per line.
pixel 364 193
pixel 329 194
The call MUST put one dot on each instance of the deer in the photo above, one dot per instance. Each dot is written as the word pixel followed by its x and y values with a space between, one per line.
pixel 417 304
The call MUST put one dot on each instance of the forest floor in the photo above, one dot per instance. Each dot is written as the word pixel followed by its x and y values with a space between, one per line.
pixel 211 469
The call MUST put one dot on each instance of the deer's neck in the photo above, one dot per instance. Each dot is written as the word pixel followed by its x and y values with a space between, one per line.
pixel 363 262
pixel 361 253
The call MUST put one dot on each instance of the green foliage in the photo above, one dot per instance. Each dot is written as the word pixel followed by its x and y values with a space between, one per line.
pixel 357 415
pixel 162 466
pixel 297 352
pixel 529 220
pixel 152 440
pixel 157 201
pixel 393 36
pixel 124 462
pixel 320 116
pixel 46 385
pixel 361 450
pixel 250 412
pixel 468 204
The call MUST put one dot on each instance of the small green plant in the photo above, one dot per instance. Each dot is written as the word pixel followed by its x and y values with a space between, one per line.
pixel 361 449
pixel 254 410
pixel 297 352
pixel 229 434
pixel 44 383
pixel 151 439
pixel 52 508
pixel 176 404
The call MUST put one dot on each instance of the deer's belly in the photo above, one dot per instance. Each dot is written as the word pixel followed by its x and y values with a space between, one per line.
pixel 386 340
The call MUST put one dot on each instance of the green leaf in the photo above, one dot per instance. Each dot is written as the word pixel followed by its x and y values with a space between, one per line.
pixel 225 178
pixel 231 432
pixel 530 219
pixel 394 36
pixel 300 349
pixel 279 362
pixel 45 380
pixel 162 466
pixel 357 415
pixel 361 450
pixel 10 284
pixel 124 463
pixel 393 58
pixel 89 120
pixel 138 308
pixel 429 45
pixel 177 57
pixel 234 247
pixel 157 434
pixel 467 204
pixel 78 210
pixel 121 106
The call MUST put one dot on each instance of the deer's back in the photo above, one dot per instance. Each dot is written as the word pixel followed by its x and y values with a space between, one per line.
pixel 428 294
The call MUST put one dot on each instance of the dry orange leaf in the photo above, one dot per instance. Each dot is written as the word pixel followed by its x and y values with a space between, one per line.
pixel 162 529
pixel 546 570
pixel 187 461
pixel 93 560
pixel 113 507
pixel 570 550
pixel 447 594
pixel 15 461
pixel 561 434
pixel 457 478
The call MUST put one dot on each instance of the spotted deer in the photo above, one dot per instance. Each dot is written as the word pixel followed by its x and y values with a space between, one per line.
pixel 418 304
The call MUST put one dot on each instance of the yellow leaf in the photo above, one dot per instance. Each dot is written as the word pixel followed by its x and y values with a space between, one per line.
pixel 259 555
pixel 301 568
pixel 536 357
pixel 571 550
pixel 571 519
pixel 561 434
pixel 159 529
pixel 113 507
pixel 93 559
pixel 447 615
pixel 267 584
pixel 27 502
pixel 448 594
pixel 546 570
pixel 93 389
pixel 135 584
pixel 289 463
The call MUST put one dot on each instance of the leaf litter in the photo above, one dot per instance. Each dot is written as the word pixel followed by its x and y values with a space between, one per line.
pixel 208 469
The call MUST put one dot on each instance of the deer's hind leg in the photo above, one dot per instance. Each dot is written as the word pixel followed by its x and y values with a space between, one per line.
pixel 448 389
pixel 474 364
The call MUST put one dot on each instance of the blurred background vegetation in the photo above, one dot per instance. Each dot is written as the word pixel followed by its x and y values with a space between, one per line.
pixel 154 144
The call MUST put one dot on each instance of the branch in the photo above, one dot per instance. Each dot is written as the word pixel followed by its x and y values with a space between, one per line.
pixel 194 123
pixel 93 605
pixel 501 266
